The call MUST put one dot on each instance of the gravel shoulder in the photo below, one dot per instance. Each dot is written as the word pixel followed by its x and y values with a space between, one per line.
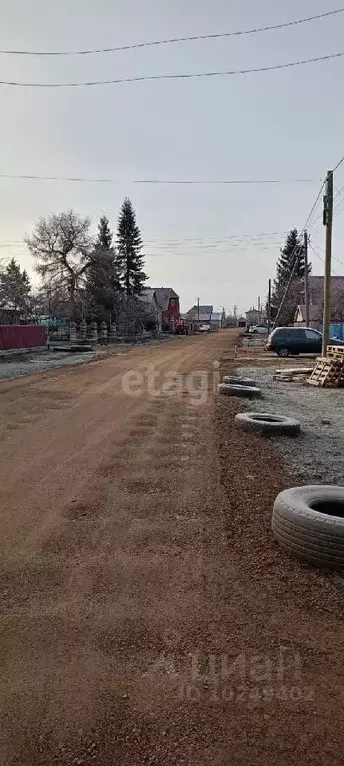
pixel 17 365
pixel 316 457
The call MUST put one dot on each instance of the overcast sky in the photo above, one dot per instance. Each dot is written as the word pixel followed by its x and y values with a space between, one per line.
pixel 281 125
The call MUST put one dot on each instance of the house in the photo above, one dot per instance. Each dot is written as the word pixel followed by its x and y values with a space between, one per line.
pixel 316 302
pixel 154 311
pixel 315 316
pixel 316 291
pixel 199 314
pixel 168 302
pixel 9 315
pixel 253 316
pixel 164 302
pixel 217 320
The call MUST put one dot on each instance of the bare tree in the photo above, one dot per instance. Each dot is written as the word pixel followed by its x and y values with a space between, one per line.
pixel 62 246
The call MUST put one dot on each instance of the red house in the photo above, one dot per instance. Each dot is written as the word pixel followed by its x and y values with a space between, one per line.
pixel 168 301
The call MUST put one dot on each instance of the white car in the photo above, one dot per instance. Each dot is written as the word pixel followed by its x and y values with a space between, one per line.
pixel 205 328
pixel 261 329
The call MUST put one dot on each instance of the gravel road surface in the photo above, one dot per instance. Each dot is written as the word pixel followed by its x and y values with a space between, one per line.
pixel 317 455
pixel 147 616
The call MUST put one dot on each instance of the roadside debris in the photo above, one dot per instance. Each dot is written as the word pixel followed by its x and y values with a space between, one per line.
pixel 308 522
pixel 329 370
pixel 248 392
pixel 267 424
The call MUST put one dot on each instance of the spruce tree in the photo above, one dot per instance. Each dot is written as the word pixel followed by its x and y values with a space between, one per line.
pixel 102 283
pixel 291 261
pixel 105 235
pixel 15 288
pixel 129 259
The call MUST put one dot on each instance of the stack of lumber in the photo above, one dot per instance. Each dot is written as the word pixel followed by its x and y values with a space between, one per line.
pixel 290 374
pixel 329 370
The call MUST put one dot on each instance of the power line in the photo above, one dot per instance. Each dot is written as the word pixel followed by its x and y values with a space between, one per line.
pixel 183 76
pixel 71 179
pixel 338 164
pixel 314 206
pixel 172 40
pixel 317 224
pixel 198 241
pixel 334 258
pixel 322 259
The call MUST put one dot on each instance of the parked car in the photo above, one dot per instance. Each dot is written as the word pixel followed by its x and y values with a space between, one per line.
pixel 297 340
pixel 205 328
pixel 259 328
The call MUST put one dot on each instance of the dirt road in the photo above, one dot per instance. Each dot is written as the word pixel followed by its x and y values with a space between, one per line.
pixel 137 627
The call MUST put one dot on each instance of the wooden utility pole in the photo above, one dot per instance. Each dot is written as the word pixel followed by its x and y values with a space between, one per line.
pixel 328 217
pixel 198 309
pixel 305 250
pixel 269 307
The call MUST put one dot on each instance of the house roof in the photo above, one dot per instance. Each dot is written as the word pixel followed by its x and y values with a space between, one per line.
pixel 163 295
pixel 190 318
pixel 148 295
pixel 207 310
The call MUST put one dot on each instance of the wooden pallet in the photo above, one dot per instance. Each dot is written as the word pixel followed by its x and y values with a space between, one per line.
pixel 328 373
pixel 335 352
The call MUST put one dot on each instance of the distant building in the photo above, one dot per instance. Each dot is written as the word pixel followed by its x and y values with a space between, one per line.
pixel 217 320
pixel 316 302
pixel 164 302
pixel 253 316
pixel 200 314
pixel 9 315
pixel 316 291
pixel 204 314
pixel 315 316
pixel 154 312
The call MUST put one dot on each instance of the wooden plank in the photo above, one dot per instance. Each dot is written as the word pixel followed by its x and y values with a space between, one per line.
pixel 295 371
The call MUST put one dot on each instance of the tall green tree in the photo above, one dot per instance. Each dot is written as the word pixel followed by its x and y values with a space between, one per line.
pixel 129 260
pixel 290 262
pixel 102 283
pixel 15 288
pixel 105 236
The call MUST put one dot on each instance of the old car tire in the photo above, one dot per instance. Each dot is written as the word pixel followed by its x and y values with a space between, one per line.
pixel 248 392
pixel 282 351
pixel 309 523
pixel 234 381
pixel 267 424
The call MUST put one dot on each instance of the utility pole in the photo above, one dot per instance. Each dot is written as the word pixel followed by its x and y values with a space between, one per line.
pixel 305 250
pixel 198 309
pixel 328 217
pixel 269 307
